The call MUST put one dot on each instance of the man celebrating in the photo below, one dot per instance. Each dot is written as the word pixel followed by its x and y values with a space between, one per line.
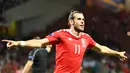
pixel 70 45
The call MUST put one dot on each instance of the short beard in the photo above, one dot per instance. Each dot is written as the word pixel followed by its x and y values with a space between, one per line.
pixel 78 30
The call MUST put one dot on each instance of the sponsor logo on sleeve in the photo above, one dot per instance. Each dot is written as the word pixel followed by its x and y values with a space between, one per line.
pixel 51 34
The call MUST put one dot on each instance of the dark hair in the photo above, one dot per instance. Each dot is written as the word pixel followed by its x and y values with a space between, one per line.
pixel 71 15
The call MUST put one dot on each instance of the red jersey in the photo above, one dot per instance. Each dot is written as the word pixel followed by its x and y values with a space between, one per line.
pixel 69 50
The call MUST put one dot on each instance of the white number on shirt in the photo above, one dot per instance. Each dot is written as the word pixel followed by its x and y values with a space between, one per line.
pixel 77 49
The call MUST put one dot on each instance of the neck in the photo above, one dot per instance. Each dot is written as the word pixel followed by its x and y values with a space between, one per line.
pixel 73 31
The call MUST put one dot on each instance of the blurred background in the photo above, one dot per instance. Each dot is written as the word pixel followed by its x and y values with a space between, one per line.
pixel 107 21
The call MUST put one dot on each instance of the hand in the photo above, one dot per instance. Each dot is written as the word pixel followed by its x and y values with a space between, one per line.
pixel 122 56
pixel 10 43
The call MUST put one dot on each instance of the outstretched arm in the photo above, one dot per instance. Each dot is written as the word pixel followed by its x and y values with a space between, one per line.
pixel 34 43
pixel 27 67
pixel 105 50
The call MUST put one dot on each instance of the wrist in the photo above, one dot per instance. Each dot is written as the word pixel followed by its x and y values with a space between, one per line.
pixel 21 43
pixel 118 54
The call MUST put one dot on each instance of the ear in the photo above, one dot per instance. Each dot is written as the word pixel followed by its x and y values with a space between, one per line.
pixel 71 22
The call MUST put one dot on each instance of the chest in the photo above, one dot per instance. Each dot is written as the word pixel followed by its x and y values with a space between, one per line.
pixel 75 45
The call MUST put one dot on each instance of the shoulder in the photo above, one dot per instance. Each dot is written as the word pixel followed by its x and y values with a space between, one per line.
pixel 34 51
pixel 61 31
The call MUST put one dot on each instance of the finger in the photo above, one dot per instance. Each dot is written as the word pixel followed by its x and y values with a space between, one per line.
pixel 121 59
pixel 5 40
pixel 9 45
pixel 124 52
pixel 125 57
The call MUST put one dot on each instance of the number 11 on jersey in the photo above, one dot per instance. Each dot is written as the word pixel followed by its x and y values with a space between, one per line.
pixel 77 49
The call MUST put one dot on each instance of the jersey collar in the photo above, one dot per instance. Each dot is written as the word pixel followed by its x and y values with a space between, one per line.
pixel 74 35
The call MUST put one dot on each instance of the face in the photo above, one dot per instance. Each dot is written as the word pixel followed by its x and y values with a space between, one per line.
pixel 78 22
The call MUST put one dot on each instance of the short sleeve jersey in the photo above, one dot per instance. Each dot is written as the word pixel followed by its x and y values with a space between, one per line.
pixel 39 57
pixel 69 50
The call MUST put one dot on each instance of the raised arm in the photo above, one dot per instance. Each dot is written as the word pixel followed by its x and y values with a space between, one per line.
pixel 105 50
pixel 27 67
pixel 34 43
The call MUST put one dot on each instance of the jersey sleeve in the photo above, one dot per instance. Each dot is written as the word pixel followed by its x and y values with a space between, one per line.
pixel 32 55
pixel 92 43
pixel 54 37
